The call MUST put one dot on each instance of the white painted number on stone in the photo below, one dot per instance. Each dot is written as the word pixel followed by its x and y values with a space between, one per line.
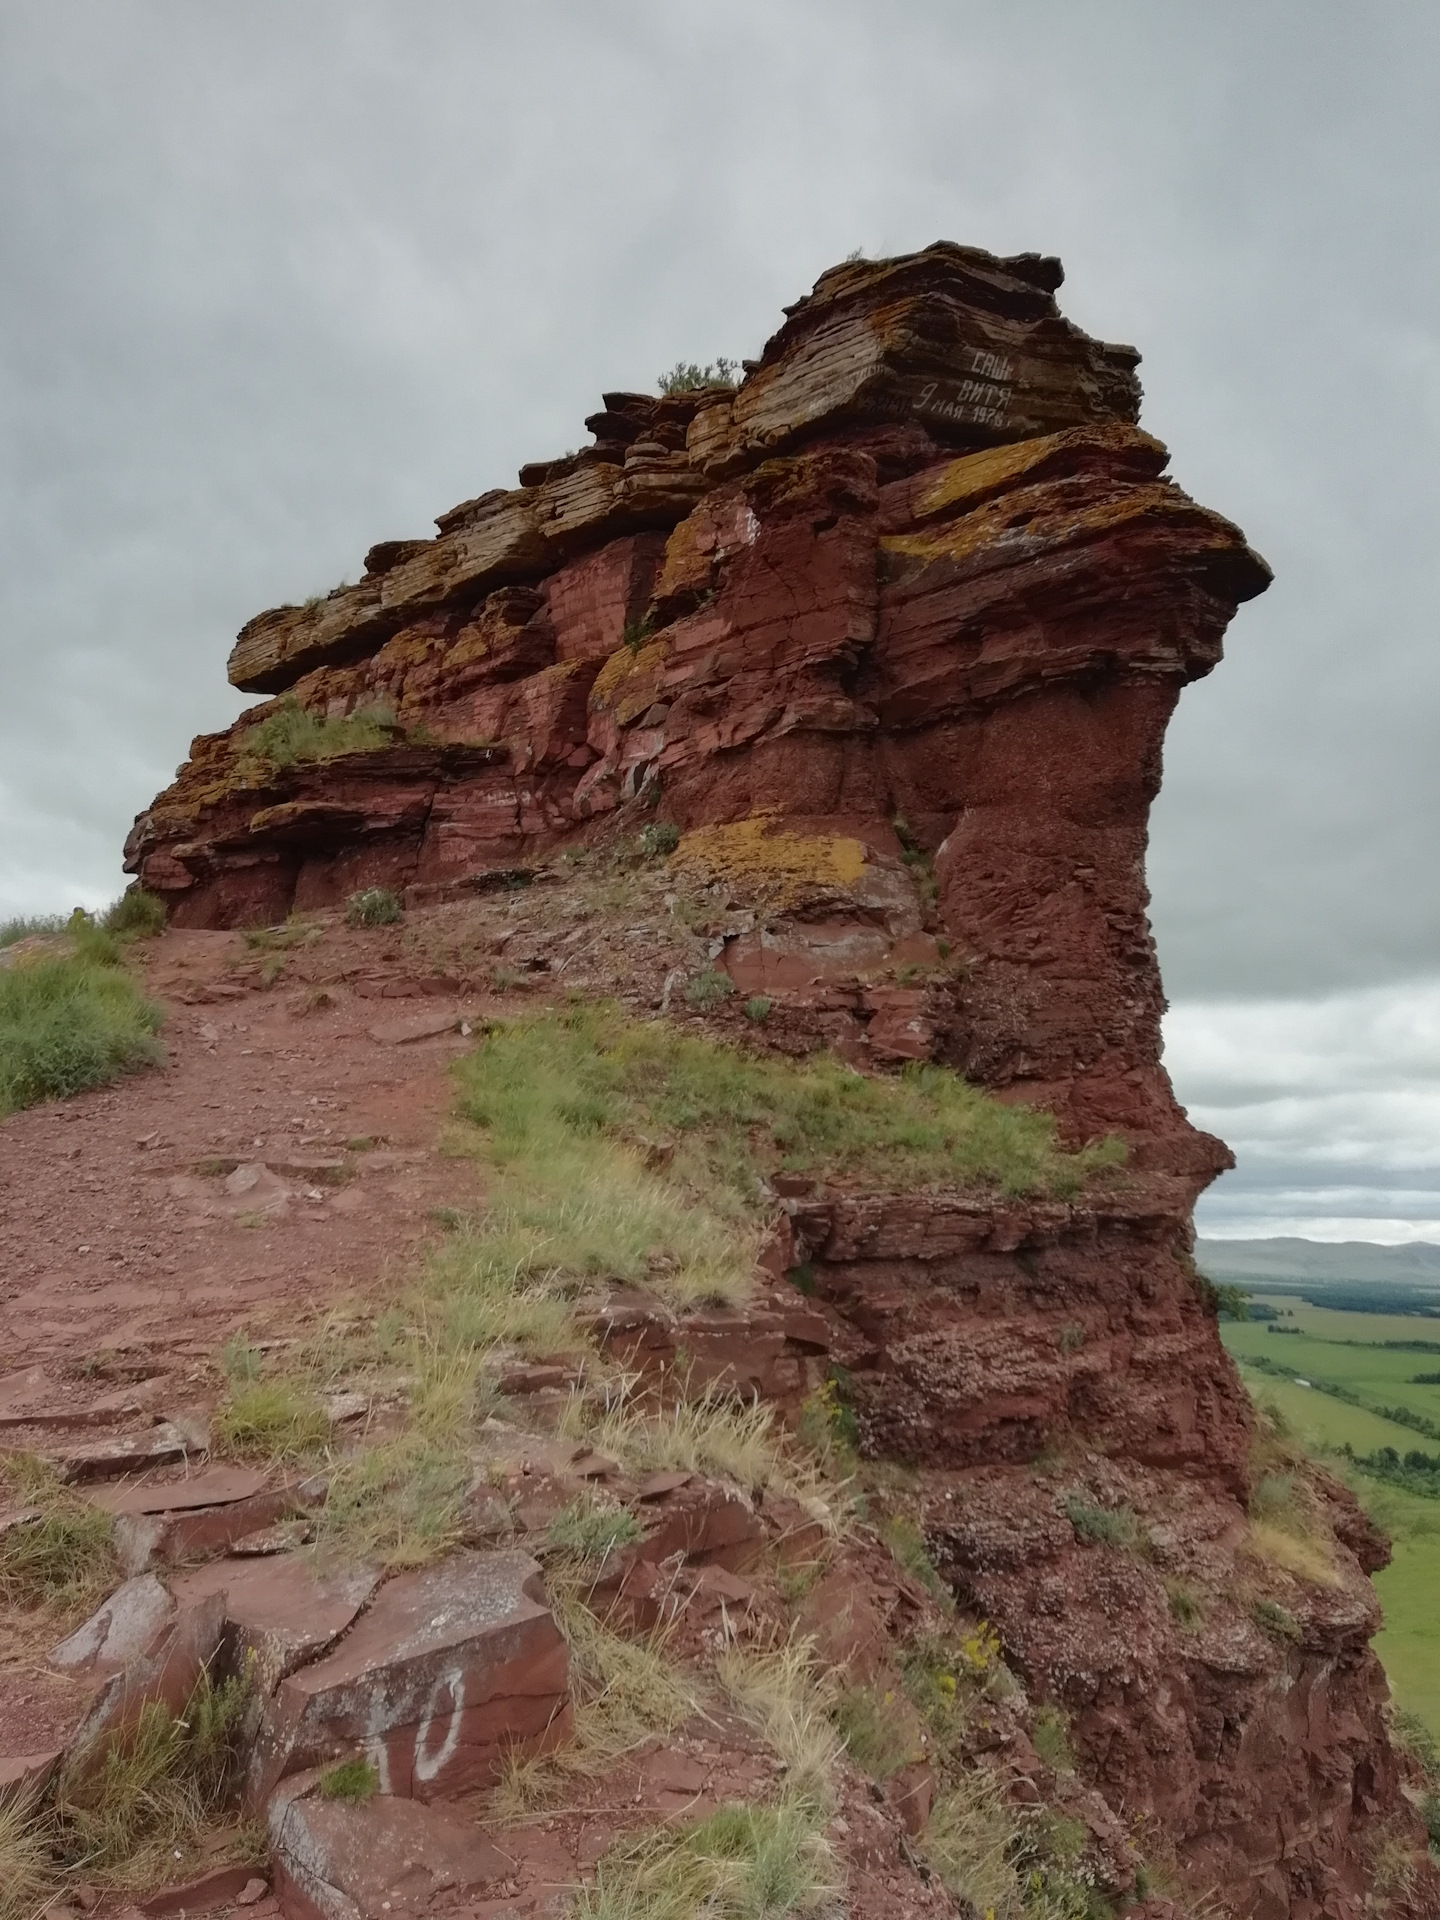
pixel 428 1763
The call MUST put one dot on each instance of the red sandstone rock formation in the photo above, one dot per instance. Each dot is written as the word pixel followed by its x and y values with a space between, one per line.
pixel 891 633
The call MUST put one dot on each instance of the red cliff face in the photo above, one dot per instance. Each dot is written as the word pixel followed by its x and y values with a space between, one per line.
pixel 891 633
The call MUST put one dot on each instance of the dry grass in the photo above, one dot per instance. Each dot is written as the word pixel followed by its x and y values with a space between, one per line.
pixel 61 1559
pixel 624 1691
pixel 744 1862
pixel 1288 1531
pixel 789 1703
pixel 712 1433
pixel 969 1841
pixel 126 1811
pixel 25 1865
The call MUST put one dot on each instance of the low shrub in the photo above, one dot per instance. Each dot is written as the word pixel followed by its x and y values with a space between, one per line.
pixel 71 1021
pixel 660 837
pixel 686 375
pixel 708 989
pixel 373 907
pixel 757 1008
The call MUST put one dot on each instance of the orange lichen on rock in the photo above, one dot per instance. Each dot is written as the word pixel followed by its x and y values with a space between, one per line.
pixel 767 861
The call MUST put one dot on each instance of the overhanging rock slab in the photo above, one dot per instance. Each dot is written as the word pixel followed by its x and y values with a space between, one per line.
pixel 449 1671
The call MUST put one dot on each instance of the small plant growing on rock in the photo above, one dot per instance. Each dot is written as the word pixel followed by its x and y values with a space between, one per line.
pixel 372 907
pixel 1050 1737
pixel 909 1552
pixel 1102 1526
pixel 707 990
pixel 353 1780
pixel 659 838
pixel 1186 1607
pixel 1276 1620
pixel 637 632
pixel 757 1008
pixel 828 1426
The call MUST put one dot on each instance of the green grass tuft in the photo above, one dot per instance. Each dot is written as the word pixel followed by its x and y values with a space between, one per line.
pixel 1102 1526
pixel 591 1529
pixel 353 1780
pixel 71 1021
pixel 270 1420
pixel 708 990
pixel 136 913
pixel 561 1076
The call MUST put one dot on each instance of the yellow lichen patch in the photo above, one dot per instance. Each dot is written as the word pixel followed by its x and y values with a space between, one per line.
pixel 620 671
pixel 405 649
pixel 783 865
pixel 966 482
pixel 1033 519
pixel 688 565
pixel 473 644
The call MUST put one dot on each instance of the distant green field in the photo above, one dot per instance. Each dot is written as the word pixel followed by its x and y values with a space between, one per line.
pixel 1409 1586
pixel 1331 1325
pixel 1380 1376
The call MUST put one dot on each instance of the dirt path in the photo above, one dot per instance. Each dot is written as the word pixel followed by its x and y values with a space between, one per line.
pixel 286 1156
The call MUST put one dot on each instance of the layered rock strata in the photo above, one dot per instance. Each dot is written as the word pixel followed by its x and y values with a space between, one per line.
pixel 891 634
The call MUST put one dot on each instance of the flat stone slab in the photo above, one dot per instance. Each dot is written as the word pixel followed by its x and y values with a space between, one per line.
pixel 382 1858
pixel 215 1487
pixel 280 1611
pixel 119 1631
pixel 102 1459
pixel 450 1671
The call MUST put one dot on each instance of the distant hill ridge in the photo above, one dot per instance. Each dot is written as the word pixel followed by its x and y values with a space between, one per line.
pixel 1293 1260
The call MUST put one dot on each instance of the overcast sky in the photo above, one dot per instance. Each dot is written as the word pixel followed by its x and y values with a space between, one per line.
pixel 279 278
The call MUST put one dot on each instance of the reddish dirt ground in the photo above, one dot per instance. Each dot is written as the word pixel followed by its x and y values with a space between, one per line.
pixel 136 1221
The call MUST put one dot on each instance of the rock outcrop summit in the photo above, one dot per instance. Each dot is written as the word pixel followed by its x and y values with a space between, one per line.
pixel 886 638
